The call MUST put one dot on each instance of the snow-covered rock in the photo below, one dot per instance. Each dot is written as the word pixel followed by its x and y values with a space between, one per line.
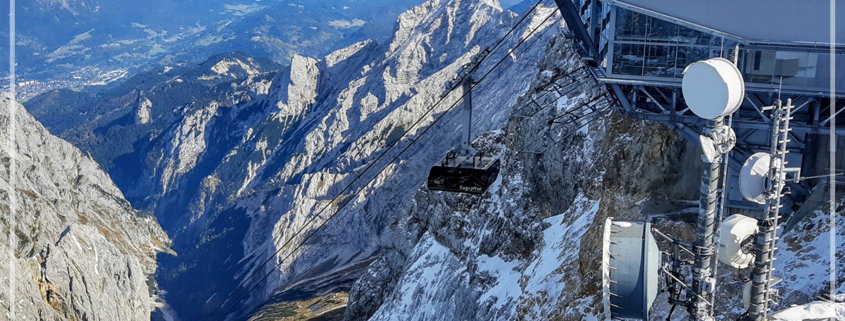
pixel 142 115
pixel 249 175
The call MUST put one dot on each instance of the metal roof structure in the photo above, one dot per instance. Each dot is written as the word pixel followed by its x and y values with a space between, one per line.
pixel 640 48
pixel 765 21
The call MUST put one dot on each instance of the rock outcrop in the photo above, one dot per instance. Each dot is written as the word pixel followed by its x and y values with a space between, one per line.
pixel 79 251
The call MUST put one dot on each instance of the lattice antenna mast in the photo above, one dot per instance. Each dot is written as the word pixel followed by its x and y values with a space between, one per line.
pixel 762 293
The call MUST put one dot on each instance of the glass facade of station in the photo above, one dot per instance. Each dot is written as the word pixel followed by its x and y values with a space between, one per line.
pixel 650 48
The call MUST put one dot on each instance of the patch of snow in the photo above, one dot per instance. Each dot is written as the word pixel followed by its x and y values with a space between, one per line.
pixel 142 116
pixel 75 241
pixel 345 24
pixel 222 67
pixel 812 311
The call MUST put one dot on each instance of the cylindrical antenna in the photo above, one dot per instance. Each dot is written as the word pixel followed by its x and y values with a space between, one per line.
pixel 702 284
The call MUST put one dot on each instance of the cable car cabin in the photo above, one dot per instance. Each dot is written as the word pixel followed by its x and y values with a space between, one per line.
pixel 463 173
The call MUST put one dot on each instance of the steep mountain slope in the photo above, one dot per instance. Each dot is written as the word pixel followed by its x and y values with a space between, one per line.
pixel 324 123
pixel 81 252
pixel 234 175
pixel 116 122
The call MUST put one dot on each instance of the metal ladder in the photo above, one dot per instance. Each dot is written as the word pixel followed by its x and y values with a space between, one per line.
pixel 762 293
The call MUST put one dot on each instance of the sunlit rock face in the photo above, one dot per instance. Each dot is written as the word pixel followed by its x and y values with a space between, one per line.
pixel 80 252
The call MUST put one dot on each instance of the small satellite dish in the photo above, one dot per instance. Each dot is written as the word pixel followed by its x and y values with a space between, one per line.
pixel 708 149
pixel 754 178
pixel 630 269
pixel 713 88
pixel 736 239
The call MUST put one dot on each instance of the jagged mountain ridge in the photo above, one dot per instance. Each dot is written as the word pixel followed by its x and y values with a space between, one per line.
pixel 117 124
pixel 81 251
pixel 324 144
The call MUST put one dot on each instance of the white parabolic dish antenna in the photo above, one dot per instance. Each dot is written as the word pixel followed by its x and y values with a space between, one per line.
pixel 754 177
pixel 713 88
pixel 735 235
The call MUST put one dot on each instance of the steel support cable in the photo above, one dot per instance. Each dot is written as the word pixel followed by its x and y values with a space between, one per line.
pixel 382 170
pixel 556 141
pixel 569 113
pixel 536 39
pixel 671 239
pixel 543 107
pixel 559 140
pixel 547 92
pixel 553 83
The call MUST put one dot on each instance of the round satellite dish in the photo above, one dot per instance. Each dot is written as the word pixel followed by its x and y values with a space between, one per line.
pixel 736 241
pixel 708 148
pixel 713 88
pixel 754 177
pixel 630 265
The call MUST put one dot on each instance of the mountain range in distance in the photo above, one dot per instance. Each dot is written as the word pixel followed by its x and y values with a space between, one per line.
pixel 79 43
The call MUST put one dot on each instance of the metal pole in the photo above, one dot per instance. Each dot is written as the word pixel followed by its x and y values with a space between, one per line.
pixel 702 283
pixel 466 137
pixel 721 214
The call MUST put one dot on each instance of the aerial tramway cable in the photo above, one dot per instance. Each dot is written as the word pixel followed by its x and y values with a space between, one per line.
pixel 241 298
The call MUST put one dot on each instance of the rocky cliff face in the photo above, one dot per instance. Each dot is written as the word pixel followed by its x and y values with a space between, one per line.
pixel 79 250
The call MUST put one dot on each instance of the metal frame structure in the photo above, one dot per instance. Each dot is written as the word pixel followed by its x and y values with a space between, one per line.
pixel 592 23
pixel 658 98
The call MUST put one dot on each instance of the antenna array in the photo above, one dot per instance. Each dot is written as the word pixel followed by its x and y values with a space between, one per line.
pixel 713 89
